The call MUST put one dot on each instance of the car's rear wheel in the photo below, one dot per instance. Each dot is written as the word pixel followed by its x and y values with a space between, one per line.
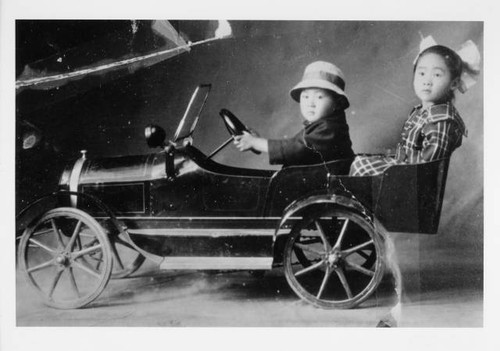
pixel 66 257
pixel 334 258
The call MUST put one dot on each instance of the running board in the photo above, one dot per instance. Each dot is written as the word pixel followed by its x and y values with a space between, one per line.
pixel 222 263
pixel 190 232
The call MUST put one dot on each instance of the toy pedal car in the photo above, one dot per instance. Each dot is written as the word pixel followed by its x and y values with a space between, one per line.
pixel 185 211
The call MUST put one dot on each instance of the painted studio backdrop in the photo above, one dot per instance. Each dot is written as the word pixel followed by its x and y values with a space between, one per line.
pixel 112 78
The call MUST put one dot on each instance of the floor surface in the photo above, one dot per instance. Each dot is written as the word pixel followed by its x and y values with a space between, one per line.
pixel 441 287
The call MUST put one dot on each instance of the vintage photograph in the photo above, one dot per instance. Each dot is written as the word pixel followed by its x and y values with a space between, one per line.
pixel 243 173
pixel 251 175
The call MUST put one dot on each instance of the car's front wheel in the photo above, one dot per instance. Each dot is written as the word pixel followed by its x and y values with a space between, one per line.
pixel 66 257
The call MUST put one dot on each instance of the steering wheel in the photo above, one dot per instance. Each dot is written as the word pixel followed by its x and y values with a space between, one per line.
pixel 234 125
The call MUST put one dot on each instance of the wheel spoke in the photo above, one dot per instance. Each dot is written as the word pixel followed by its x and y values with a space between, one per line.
pixel 57 232
pixel 324 282
pixel 352 250
pixel 42 232
pixel 86 263
pixel 310 268
pixel 77 254
pixel 39 244
pixel 54 283
pixel 341 235
pixel 360 269
pixel 74 236
pixel 86 269
pixel 73 282
pixel 99 261
pixel 343 280
pixel 78 242
pixel 310 240
pixel 41 266
pixel 326 244
pixel 308 248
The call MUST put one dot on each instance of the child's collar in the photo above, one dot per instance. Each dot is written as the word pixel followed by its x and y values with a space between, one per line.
pixel 435 107
pixel 441 112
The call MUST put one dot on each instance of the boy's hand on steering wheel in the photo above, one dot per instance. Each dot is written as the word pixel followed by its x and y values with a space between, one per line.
pixel 247 141
pixel 244 142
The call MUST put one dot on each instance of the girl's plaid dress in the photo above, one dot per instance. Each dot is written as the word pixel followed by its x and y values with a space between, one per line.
pixel 428 134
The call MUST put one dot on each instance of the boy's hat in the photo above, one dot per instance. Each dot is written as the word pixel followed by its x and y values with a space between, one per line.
pixel 325 75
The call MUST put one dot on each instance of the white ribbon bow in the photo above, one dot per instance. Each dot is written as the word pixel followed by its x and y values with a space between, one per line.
pixel 468 52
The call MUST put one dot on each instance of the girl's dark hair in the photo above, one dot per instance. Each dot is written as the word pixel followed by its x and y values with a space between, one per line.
pixel 450 57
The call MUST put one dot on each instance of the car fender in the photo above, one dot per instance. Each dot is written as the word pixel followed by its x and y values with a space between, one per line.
pixel 302 207
pixel 24 218
pixel 57 197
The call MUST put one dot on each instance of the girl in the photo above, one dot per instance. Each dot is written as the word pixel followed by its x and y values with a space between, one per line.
pixel 434 129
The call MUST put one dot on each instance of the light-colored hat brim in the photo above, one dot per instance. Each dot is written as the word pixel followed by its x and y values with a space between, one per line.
pixel 316 83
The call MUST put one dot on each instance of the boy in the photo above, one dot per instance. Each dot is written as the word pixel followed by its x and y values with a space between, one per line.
pixel 325 136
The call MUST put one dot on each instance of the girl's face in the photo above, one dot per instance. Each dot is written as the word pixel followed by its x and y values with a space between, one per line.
pixel 432 80
pixel 316 103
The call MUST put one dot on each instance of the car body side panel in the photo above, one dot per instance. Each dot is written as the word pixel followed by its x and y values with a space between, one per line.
pixel 411 197
pixel 405 198
pixel 122 183
pixel 204 188
pixel 295 182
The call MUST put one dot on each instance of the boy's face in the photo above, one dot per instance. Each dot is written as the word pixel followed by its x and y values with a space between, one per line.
pixel 432 80
pixel 316 103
